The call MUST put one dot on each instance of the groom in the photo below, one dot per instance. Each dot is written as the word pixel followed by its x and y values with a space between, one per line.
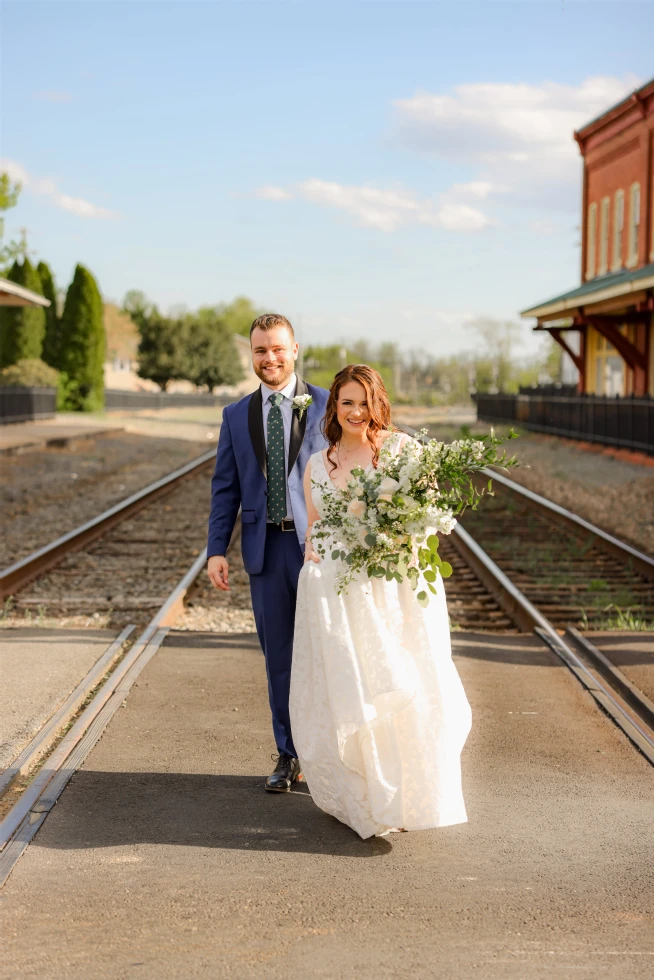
pixel 265 442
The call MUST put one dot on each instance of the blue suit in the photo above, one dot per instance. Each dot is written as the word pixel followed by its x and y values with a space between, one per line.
pixel 272 558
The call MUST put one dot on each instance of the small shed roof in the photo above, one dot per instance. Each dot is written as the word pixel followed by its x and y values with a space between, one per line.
pixel 11 294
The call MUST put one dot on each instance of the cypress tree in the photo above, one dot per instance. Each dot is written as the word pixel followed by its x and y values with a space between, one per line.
pixel 51 341
pixel 83 343
pixel 22 328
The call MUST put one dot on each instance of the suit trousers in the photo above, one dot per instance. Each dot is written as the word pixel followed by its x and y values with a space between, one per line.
pixel 274 592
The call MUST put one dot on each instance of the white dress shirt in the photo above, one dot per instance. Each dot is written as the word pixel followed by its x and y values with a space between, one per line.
pixel 286 407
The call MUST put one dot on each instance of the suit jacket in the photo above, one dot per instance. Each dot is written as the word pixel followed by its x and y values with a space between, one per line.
pixel 240 476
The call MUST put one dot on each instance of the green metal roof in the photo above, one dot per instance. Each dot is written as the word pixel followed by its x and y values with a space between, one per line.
pixel 613 284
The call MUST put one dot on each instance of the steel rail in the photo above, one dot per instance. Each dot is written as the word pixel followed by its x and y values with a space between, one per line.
pixel 39 745
pixel 17 576
pixel 607 542
pixel 529 618
pixel 29 812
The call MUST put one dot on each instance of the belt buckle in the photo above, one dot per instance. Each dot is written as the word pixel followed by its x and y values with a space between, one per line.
pixel 283 524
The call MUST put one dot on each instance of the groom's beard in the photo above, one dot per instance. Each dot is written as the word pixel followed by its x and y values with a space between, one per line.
pixel 278 375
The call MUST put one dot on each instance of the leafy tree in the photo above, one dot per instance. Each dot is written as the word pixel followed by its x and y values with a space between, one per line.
pixel 52 339
pixel 162 347
pixel 211 357
pixel 238 315
pixel 83 343
pixel 137 306
pixel 22 328
pixel 9 193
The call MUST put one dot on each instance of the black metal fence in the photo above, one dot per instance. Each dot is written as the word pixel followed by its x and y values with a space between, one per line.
pixel 21 404
pixel 627 423
pixel 27 404
pixel 116 400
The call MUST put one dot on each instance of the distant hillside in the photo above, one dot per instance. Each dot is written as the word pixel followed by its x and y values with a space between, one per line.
pixel 122 334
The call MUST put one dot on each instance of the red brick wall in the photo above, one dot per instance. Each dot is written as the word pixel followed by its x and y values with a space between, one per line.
pixel 616 154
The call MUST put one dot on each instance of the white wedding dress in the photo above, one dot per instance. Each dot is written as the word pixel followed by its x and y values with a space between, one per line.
pixel 378 712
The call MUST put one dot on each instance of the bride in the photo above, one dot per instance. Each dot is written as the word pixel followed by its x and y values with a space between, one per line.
pixel 378 712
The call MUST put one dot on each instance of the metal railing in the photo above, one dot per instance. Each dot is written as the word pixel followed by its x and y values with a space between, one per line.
pixel 626 423
pixel 116 399
pixel 21 404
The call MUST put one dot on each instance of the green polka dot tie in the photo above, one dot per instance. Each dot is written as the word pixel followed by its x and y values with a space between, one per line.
pixel 276 465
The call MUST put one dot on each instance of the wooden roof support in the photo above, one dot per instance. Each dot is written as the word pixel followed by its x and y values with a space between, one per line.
pixel 577 359
pixel 630 354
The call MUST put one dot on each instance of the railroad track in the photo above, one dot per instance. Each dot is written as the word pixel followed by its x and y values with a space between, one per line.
pixel 125 560
pixel 484 593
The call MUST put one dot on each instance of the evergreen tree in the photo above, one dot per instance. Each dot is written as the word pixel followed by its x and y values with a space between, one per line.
pixel 51 341
pixel 83 343
pixel 22 328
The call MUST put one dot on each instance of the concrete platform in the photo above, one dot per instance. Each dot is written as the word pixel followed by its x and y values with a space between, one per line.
pixel 39 669
pixel 633 653
pixel 21 437
pixel 166 859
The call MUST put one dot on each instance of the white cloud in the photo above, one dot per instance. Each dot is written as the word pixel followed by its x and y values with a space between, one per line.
pixel 47 187
pixel 57 97
pixel 519 135
pixel 270 193
pixel 383 208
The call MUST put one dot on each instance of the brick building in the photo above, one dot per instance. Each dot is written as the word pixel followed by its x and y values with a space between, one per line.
pixel 606 325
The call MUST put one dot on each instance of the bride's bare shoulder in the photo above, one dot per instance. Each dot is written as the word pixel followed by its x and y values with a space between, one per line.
pixel 385 434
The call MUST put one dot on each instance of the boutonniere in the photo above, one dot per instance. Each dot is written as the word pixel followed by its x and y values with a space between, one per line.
pixel 301 403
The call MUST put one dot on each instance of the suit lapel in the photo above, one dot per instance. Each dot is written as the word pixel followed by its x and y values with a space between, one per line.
pixel 298 427
pixel 255 425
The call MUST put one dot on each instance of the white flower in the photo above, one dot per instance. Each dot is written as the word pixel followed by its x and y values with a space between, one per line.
pixel 408 504
pixel 442 520
pixel 388 485
pixel 301 403
pixel 357 508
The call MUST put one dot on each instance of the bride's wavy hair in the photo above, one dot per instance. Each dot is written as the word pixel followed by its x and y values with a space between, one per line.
pixel 379 408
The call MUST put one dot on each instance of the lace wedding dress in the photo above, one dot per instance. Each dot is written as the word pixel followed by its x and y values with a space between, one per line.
pixel 378 712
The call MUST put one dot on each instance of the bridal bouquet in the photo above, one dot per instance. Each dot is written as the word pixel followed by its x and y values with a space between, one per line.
pixel 385 520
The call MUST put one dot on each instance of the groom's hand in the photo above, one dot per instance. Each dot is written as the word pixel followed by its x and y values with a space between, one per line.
pixel 218 572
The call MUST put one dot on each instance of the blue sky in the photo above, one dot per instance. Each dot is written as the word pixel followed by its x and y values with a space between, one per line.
pixel 380 170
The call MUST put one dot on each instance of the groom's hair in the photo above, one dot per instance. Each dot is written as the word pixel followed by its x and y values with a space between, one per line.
pixel 268 321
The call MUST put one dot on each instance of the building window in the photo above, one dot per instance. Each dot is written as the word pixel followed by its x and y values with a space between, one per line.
pixel 591 239
pixel 604 236
pixel 634 224
pixel 618 229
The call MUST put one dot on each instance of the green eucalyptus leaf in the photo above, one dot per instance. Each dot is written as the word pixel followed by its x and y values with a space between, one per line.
pixel 430 576
pixel 431 588
pixel 432 543
pixel 370 539
pixel 335 555
pixel 446 569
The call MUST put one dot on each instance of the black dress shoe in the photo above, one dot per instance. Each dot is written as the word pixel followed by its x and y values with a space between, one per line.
pixel 286 772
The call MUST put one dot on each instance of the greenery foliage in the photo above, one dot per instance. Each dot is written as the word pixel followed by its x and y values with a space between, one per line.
pixel 211 357
pixel 161 353
pixel 418 377
pixel 196 347
pixel 52 338
pixel 9 193
pixel 22 328
pixel 83 344
pixel 29 373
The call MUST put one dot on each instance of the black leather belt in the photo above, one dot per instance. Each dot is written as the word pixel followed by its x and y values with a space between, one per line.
pixel 286 525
